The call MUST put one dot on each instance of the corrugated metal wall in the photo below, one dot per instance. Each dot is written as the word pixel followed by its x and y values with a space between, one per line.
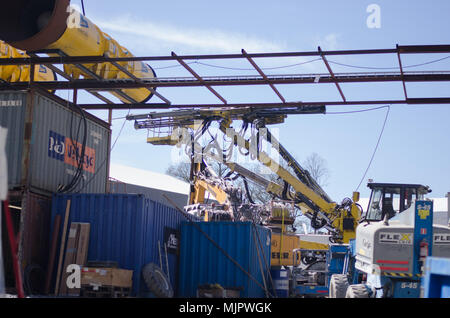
pixel 52 151
pixel 12 116
pixel 127 229
pixel 203 263
pixel 36 221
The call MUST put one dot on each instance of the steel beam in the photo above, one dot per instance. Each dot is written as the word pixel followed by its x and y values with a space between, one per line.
pixel 401 72
pixel 109 85
pixel 413 101
pixel 332 74
pixel 264 76
pixel 408 49
pixel 199 78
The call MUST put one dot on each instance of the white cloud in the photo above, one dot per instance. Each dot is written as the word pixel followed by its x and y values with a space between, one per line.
pixel 210 40
pixel 329 42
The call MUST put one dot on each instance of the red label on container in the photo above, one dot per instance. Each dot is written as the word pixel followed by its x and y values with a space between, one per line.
pixel 73 153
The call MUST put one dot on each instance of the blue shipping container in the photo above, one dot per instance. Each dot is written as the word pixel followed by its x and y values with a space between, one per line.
pixel 201 262
pixel 126 228
pixel 436 279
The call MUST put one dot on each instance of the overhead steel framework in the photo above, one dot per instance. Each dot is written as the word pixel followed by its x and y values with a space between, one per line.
pixel 95 85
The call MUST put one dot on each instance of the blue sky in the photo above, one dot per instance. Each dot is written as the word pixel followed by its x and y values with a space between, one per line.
pixel 414 147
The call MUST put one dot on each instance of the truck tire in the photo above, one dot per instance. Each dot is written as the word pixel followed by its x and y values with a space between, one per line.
pixel 338 286
pixel 357 291
pixel 157 281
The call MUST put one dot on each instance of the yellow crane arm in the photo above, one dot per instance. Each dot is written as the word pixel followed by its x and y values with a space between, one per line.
pixel 342 220
pixel 265 159
pixel 201 186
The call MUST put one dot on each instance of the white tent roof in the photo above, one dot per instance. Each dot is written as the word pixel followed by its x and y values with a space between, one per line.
pixel 148 179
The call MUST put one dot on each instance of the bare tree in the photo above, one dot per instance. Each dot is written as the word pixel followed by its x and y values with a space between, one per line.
pixel 314 163
pixel 317 167
pixel 181 171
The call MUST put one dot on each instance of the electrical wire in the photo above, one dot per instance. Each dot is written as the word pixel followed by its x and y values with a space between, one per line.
pixel 388 68
pixel 356 111
pixel 79 158
pixel 376 147
pixel 306 62
pixel 120 131
pixel 171 66
pixel 99 168
pixel 252 69
pixel 78 176
pixel 82 7
pixel 379 138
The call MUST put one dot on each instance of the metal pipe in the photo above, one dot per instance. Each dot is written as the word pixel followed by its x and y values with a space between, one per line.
pixel 54 24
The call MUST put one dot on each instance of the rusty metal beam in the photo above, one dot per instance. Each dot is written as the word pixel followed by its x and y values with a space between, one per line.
pixel 404 49
pixel 198 77
pixel 101 97
pixel 401 72
pixel 410 101
pixel 108 85
pixel 263 75
pixel 332 74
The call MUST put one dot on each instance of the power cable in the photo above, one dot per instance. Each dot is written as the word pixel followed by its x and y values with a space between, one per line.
pixel 252 69
pixel 356 111
pixel 171 66
pixel 106 159
pixel 376 147
pixel 306 62
pixel 82 7
pixel 389 68
pixel 120 131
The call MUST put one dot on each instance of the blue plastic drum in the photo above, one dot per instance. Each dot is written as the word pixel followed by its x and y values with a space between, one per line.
pixel 280 280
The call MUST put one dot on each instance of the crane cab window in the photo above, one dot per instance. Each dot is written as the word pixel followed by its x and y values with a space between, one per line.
pixel 392 199
pixel 375 205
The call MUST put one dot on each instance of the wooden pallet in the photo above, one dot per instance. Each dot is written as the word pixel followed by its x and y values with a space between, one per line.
pixel 89 291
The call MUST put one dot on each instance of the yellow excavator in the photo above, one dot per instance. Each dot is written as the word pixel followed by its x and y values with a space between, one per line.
pixel 226 196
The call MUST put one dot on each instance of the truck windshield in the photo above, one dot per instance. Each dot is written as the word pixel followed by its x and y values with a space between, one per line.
pixel 375 206
pixel 390 200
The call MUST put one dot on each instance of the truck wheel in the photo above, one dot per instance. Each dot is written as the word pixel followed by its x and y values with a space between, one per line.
pixel 338 286
pixel 357 291
pixel 157 281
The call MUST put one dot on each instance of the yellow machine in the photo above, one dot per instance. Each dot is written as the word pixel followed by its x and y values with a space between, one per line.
pixel 21 73
pixel 339 219
pixel 281 250
pixel 204 180
pixel 55 25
